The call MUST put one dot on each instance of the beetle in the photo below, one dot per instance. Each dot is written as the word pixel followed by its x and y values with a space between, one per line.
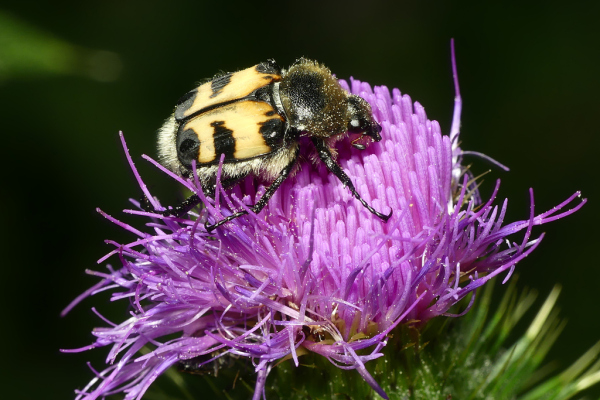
pixel 255 118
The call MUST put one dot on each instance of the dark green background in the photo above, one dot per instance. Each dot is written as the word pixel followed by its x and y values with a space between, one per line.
pixel 529 78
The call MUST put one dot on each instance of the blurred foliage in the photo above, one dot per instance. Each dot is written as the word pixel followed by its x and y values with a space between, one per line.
pixel 29 52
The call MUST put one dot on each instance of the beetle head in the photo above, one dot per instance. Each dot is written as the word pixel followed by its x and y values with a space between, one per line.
pixel 361 120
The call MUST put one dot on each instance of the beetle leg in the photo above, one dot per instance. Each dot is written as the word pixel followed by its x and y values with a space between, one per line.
pixel 334 168
pixel 211 188
pixel 256 208
pixel 186 205
pixel 182 208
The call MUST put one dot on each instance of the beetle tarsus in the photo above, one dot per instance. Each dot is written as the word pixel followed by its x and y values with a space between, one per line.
pixel 334 168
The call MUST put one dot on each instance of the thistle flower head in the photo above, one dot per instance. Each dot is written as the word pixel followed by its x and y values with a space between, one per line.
pixel 314 271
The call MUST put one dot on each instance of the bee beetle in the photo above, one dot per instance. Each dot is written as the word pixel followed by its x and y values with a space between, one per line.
pixel 255 118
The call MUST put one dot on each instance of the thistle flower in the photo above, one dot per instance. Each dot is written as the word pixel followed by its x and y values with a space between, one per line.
pixel 314 271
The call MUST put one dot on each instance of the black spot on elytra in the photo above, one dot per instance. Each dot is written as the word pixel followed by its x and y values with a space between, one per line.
pixel 223 139
pixel 188 147
pixel 268 67
pixel 272 131
pixel 219 83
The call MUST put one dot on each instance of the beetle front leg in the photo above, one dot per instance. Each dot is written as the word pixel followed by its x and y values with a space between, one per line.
pixel 334 168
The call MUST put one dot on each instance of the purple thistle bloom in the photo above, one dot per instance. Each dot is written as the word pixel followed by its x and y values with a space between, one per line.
pixel 314 271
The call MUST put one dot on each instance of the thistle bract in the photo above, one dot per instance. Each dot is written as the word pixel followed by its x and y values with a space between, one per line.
pixel 314 271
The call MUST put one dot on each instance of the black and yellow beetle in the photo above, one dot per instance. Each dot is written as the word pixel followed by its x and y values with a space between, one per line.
pixel 255 117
